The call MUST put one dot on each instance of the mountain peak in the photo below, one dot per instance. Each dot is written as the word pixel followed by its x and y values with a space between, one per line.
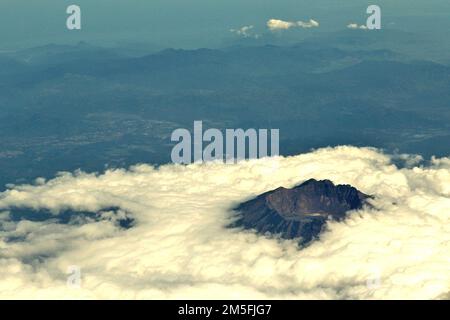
pixel 299 212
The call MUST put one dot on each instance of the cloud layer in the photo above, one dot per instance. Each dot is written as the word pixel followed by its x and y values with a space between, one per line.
pixel 180 247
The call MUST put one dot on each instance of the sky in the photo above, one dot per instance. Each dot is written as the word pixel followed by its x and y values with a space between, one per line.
pixel 195 23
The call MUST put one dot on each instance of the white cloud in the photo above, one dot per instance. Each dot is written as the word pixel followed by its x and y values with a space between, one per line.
pixel 310 24
pixel 277 25
pixel 245 32
pixel 180 248
pixel 356 26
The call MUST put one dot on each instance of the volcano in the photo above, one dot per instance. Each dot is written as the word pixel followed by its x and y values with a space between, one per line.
pixel 300 212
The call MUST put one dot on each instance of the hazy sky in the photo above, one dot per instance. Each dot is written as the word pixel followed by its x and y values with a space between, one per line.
pixel 194 23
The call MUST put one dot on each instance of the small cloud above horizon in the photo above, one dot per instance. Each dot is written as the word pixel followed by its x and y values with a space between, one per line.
pixel 278 25
pixel 245 32
pixel 355 26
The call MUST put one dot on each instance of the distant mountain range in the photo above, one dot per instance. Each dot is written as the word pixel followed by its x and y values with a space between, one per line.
pixel 300 212
pixel 68 107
